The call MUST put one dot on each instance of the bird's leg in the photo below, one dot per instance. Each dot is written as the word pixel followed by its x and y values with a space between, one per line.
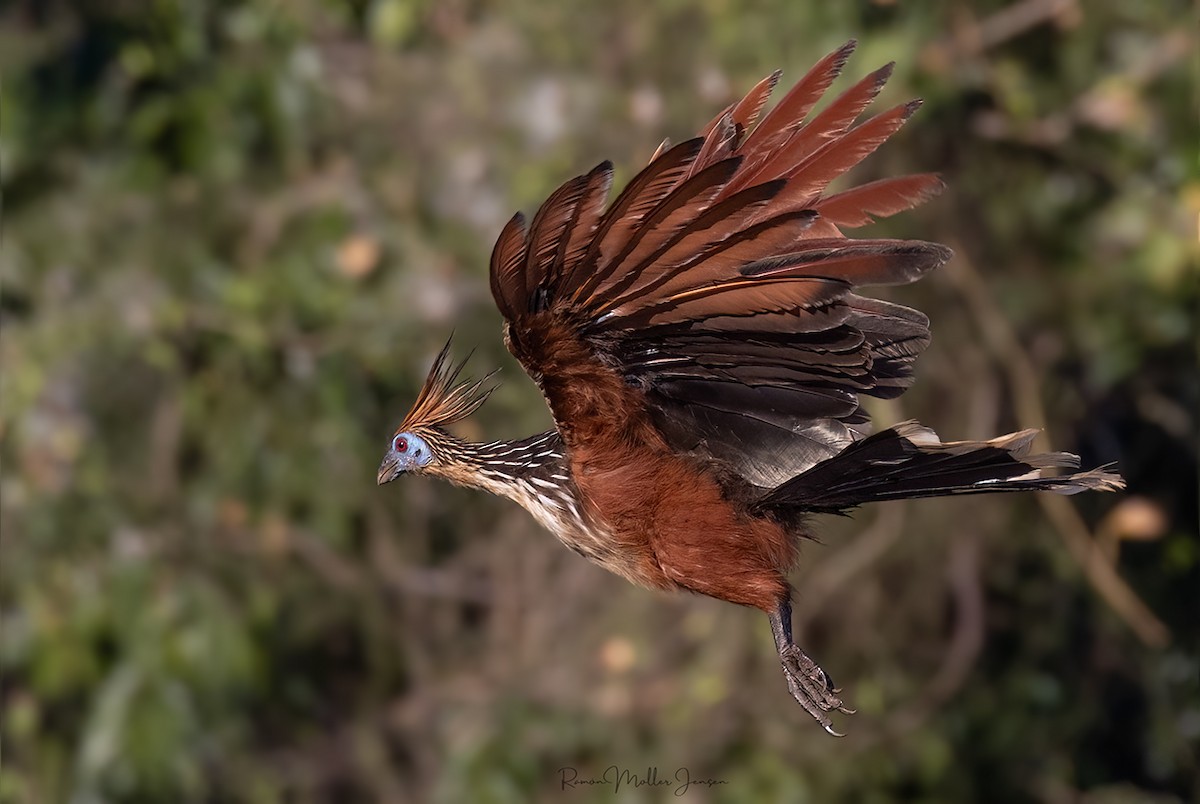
pixel 807 682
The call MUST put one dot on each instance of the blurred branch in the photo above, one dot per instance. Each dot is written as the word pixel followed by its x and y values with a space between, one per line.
pixel 965 644
pixel 353 753
pixel 1108 104
pixel 972 37
pixel 166 433
pixel 333 186
pixel 1111 103
pixel 1023 380
pixel 336 571
pixel 344 574
pixel 837 570
pixel 402 578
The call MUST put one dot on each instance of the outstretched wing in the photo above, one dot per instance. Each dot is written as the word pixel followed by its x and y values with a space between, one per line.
pixel 719 283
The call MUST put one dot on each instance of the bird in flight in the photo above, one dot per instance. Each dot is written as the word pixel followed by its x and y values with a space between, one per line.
pixel 702 347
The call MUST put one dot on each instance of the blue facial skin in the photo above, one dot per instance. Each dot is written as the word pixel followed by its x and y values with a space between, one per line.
pixel 406 453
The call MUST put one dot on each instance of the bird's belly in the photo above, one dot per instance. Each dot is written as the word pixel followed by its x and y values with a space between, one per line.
pixel 668 525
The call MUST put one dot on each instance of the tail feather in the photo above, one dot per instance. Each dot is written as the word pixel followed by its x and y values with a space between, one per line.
pixel 909 461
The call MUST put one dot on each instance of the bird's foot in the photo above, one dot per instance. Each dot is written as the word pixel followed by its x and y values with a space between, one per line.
pixel 812 688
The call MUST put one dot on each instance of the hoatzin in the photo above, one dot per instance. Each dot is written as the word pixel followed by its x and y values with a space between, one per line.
pixel 702 347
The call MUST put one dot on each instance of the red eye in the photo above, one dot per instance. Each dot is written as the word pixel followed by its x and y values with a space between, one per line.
pixel 400 444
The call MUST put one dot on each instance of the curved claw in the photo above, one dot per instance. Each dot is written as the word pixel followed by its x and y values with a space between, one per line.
pixel 811 688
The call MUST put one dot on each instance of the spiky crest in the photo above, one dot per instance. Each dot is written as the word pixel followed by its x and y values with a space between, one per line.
pixel 443 399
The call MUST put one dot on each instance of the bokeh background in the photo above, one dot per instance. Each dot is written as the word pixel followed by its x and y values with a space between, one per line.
pixel 234 235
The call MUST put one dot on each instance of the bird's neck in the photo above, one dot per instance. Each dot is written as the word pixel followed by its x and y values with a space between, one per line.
pixel 533 472
pixel 506 468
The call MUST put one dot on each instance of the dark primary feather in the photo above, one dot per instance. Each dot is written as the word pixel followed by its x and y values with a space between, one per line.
pixel 661 229
pixel 587 217
pixel 707 228
pixel 789 114
pixel 826 129
pixel 857 206
pixel 632 206
pixel 508 257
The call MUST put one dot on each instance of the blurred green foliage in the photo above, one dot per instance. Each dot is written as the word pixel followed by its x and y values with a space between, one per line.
pixel 234 234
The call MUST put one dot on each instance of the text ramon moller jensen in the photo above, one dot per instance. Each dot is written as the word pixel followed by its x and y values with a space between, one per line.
pixel 616 777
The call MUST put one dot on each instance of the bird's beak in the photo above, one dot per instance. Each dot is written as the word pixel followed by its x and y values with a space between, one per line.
pixel 389 470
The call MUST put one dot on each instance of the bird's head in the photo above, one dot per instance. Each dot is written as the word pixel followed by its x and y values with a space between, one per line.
pixel 408 452
pixel 419 443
